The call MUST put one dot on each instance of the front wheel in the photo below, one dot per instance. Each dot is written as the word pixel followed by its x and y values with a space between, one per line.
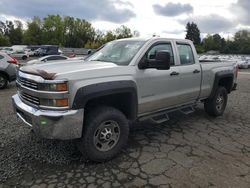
pixel 216 105
pixel 3 81
pixel 105 133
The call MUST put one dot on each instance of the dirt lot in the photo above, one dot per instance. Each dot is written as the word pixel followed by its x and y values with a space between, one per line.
pixel 188 151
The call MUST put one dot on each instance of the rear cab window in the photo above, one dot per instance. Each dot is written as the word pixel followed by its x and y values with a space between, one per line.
pixel 185 54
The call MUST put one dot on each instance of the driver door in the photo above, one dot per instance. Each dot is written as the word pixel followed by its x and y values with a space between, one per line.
pixel 158 89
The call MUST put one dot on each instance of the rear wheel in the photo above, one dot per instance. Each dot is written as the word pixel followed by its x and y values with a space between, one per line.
pixel 217 104
pixel 24 57
pixel 3 81
pixel 105 133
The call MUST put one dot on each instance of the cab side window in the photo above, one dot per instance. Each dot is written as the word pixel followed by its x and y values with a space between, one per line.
pixel 161 47
pixel 186 54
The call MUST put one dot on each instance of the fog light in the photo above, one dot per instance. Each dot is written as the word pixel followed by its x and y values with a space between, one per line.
pixel 54 102
pixel 61 102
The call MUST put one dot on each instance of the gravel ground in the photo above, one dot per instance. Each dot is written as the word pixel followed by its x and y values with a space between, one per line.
pixel 187 151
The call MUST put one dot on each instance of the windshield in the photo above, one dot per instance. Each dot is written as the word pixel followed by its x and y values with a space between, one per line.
pixel 118 52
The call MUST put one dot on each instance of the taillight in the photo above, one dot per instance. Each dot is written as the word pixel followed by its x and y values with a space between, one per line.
pixel 13 61
pixel 237 71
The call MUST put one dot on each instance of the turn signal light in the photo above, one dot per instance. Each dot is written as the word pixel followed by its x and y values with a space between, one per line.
pixel 62 102
pixel 61 87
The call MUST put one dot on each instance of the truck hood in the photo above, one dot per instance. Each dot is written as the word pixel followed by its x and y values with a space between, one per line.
pixel 54 69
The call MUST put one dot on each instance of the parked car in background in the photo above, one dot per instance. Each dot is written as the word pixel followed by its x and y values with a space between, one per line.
pixel 7 50
pixel 19 47
pixel 33 47
pixel 47 50
pixel 19 55
pixel 7 69
pixel 39 52
pixel 60 51
pixel 243 64
pixel 30 52
pixel 46 59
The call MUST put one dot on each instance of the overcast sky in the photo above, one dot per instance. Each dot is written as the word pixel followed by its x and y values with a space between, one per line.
pixel 161 17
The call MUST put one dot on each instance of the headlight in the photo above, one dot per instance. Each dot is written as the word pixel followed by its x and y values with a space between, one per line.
pixel 58 87
pixel 54 102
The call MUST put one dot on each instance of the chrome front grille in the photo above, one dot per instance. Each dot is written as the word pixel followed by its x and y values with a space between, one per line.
pixel 28 83
pixel 24 87
pixel 36 91
pixel 29 98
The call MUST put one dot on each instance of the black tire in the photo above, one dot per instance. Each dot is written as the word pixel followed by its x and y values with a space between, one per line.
pixel 216 105
pixel 24 57
pixel 93 141
pixel 3 81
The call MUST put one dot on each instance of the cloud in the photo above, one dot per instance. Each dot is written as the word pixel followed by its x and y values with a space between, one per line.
pixel 104 10
pixel 211 24
pixel 172 9
pixel 242 11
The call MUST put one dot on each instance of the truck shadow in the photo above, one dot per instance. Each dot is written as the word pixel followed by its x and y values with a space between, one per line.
pixel 30 152
pixel 65 152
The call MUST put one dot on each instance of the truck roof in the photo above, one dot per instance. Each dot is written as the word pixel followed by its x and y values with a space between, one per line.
pixel 153 38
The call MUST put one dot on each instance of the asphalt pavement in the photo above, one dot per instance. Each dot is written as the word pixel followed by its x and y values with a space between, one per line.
pixel 192 150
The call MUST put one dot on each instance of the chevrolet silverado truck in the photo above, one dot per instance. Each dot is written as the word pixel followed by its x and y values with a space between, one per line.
pixel 127 80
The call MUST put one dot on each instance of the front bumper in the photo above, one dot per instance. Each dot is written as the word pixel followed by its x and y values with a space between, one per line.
pixel 62 125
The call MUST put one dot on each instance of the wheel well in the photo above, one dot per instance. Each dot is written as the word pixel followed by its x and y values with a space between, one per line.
pixel 226 82
pixel 124 102
pixel 5 74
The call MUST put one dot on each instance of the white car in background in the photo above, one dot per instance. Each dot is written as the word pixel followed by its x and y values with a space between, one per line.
pixel 7 50
pixel 46 59
pixel 243 63
pixel 19 55
pixel 8 67
pixel 30 52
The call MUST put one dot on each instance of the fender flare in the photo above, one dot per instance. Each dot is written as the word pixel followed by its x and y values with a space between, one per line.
pixel 218 77
pixel 94 91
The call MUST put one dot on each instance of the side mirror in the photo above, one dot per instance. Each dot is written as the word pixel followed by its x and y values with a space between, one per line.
pixel 161 61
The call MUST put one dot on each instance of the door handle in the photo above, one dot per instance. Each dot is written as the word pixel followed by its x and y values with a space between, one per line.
pixel 196 71
pixel 174 73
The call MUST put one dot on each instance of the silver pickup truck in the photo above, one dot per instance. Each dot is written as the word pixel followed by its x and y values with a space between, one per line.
pixel 127 80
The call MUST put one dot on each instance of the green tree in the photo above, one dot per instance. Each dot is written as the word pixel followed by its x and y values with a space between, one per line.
pixel 208 43
pixel 14 31
pixel 193 33
pixel 2 27
pixel 33 34
pixel 109 36
pixel 77 32
pixel 52 29
pixel 4 40
pixel 123 32
pixel 214 42
pixel 242 41
pixel 84 32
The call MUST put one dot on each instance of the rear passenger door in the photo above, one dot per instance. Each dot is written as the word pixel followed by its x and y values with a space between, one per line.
pixel 190 73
